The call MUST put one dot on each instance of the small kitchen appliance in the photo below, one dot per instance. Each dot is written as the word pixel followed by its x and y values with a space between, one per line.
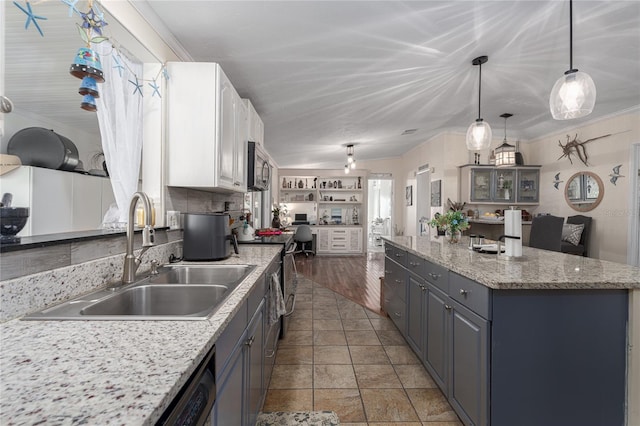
pixel 258 169
pixel 207 236
pixel 12 220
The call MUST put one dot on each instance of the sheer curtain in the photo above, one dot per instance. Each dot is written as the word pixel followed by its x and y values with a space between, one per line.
pixel 120 119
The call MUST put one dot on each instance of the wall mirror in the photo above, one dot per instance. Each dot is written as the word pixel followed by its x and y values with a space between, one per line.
pixel 44 94
pixel 584 191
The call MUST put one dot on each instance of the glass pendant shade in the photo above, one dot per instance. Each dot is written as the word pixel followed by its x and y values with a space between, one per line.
pixel 573 96
pixel 505 155
pixel 479 136
pixel 346 169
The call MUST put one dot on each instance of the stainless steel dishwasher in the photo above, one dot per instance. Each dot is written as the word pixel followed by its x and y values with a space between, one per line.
pixel 193 404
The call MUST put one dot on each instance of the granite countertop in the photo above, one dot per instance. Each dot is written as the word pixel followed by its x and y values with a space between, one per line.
pixel 109 372
pixel 538 269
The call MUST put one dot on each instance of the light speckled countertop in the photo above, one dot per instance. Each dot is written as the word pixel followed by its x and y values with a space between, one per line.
pixel 539 269
pixel 109 372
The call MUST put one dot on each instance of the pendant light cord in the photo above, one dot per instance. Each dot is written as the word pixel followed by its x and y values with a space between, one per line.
pixel 479 90
pixel 570 35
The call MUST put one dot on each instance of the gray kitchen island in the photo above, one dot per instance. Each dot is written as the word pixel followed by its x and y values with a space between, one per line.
pixel 540 340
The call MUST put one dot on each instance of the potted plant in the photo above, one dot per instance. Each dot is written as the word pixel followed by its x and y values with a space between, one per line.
pixel 453 222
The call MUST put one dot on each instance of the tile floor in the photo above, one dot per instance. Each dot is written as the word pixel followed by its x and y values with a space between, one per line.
pixel 338 356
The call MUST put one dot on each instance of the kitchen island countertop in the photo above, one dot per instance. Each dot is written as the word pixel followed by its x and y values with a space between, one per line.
pixel 109 372
pixel 538 269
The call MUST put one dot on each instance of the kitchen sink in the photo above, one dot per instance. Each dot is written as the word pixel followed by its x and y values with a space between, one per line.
pixel 177 292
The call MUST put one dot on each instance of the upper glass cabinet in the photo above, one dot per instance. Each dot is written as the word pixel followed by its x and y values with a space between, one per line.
pixel 493 185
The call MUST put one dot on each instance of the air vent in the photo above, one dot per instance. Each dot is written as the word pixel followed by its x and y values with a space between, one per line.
pixel 408 132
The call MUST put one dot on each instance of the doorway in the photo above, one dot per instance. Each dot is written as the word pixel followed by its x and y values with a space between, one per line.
pixel 423 199
pixel 633 249
pixel 379 210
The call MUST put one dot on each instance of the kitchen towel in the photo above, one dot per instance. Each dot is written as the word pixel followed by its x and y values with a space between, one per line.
pixel 276 300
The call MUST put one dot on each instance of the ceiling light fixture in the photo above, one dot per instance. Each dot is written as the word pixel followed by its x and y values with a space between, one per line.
pixel 574 94
pixel 479 133
pixel 505 153
pixel 351 159
pixel 346 169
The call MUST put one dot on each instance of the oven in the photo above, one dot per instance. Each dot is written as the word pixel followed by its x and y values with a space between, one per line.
pixel 193 404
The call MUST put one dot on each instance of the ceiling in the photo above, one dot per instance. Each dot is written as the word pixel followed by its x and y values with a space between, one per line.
pixel 324 74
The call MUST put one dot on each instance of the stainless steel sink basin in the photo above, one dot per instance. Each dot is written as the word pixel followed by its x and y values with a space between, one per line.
pixel 161 301
pixel 201 274
pixel 178 292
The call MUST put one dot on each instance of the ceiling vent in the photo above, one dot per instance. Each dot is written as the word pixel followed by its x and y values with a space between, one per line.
pixel 408 132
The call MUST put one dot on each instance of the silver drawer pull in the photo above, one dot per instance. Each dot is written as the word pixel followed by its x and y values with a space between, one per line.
pixel 434 276
pixel 387 272
pixel 399 254
pixel 414 264
pixel 250 341
pixel 423 287
pixel 400 281
pixel 397 314
pixel 447 307
pixel 463 292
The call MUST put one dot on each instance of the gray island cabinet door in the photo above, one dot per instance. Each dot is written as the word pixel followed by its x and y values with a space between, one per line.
pixel 227 409
pixel 415 314
pixel 468 388
pixel 437 349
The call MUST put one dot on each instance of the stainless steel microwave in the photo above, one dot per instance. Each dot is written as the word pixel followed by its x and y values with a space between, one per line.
pixel 258 169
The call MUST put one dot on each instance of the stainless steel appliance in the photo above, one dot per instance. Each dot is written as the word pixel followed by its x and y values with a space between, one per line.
pixel 258 169
pixel 193 404
pixel 207 236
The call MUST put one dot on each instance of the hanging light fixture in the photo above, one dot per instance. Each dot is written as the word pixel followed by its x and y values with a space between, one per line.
pixel 346 169
pixel 479 133
pixel 574 94
pixel 351 159
pixel 505 153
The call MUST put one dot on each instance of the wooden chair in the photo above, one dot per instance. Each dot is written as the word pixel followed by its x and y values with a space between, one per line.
pixel 546 233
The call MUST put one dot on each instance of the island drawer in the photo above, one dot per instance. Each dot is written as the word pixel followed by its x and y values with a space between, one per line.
pixel 395 278
pixel 416 264
pixel 471 294
pixel 396 254
pixel 436 275
pixel 256 295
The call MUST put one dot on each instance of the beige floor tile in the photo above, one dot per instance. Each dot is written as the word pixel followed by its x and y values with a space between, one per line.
pixel 438 423
pixel 333 376
pixel 304 288
pixel 304 297
pixel 327 324
pixel 431 405
pixel 322 302
pixel 301 324
pixel 401 354
pixel 362 337
pixel 390 337
pixel 394 424
pixel 376 377
pixel 326 313
pixel 353 424
pixel 387 405
pixel 382 324
pixel 331 355
pixel 289 400
pixel 356 324
pixel 373 315
pixel 368 355
pixel 292 377
pixel 306 306
pixel 353 313
pixel 414 376
pixel 294 355
pixel 300 313
pixel 329 337
pixel 297 338
pixel 346 403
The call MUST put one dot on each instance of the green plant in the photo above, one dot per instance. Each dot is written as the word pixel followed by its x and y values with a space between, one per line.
pixel 451 221
pixel 276 211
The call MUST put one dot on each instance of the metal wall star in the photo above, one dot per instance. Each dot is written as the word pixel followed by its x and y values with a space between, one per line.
pixel 31 17
pixel 155 88
pixel 118 65
pixel 138 87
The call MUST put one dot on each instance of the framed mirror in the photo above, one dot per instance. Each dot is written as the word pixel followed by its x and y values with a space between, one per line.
pixel 584 191
pixel 45 95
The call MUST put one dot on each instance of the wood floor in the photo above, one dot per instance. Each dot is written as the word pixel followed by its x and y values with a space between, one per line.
pixel 355 277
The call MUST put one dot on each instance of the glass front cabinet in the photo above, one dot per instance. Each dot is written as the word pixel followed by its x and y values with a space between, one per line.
pixel 488 184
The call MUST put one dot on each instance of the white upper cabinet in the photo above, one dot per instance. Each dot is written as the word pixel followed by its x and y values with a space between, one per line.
pixel 207 143
pixel 255 124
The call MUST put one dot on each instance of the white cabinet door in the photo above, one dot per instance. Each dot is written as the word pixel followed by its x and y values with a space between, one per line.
pixel 323 240
pixel 355 240
pixel 339 241
pixel 240 169
pixel 52 201
pixel 87 202
pixel 254 124
pixel 228 135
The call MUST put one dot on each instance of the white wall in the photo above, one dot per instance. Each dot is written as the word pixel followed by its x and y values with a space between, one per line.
pixel 610 219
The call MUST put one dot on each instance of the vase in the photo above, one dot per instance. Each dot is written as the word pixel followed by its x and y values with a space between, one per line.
pixel 453 237
pixel 275 223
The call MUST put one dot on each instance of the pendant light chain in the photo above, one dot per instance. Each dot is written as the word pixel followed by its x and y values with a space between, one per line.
pixel 571 37
pixel 479 90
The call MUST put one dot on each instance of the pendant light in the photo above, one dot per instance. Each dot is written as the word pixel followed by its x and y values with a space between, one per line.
pixel 505 153
pixel 574 94
pixel 479 133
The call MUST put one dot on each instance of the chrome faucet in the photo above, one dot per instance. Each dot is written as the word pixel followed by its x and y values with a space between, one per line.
pixel 131 261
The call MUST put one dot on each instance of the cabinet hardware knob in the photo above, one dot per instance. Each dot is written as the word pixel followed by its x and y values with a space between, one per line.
pixel 463 292
pixel 397 314
pixel 398 254
pixel 387 272
pixel 414 264
pixel 447 307
pixel 423 288
pixel 400 281
pixel 250 341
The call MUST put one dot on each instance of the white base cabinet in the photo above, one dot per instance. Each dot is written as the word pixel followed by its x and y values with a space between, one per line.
pixel 339 240
pixel 207 130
